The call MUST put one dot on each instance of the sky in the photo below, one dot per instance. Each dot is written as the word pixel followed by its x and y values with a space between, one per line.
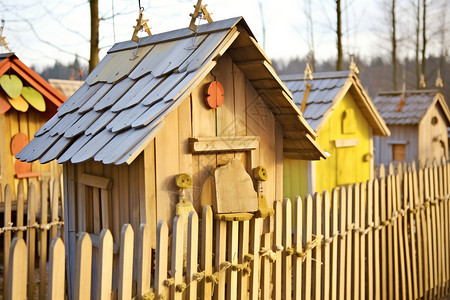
pixel 43 31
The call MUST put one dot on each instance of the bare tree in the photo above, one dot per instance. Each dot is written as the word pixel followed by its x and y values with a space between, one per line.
pixel 94 59
pixel 424 38
pixel 394 46
pixel 417 49
pixel 340 54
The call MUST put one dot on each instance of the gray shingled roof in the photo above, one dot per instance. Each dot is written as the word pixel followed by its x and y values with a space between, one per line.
pixel 415 106
pixel 123 102
pixel 325 86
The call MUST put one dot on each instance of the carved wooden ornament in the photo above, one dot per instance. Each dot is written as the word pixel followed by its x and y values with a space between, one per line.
pixel 214 94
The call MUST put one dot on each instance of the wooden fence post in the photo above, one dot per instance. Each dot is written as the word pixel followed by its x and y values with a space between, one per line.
pixel 317 251
pixel 356 238
pixel 244 236
pixel 83 267
pixel 233 258
pixel 362 242
pixel 298 230
pixel 20 208
pixel 255 238
pixel 126 262
pixel 372 269
pixel 55 290
pixel 349 259
pixel 17 287
pixel 206 252
pixel 105 261
pixel 220 252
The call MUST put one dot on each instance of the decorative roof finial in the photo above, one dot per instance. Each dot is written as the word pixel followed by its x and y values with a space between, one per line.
pixel 422 83
pixel 353 66
pixel 200 12
pixel 2 38
pixel 141 25
pixel 439 83
pixel 308 72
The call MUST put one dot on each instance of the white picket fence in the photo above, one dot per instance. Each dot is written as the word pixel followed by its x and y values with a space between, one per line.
pixel 387 238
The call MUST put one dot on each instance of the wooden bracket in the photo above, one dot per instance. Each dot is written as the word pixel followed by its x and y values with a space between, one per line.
pixel 141 24
pixel 201 12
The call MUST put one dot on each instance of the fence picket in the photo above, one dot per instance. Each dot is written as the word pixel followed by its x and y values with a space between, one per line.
pixel 413 232
pixel 6 240
pixel 325 287
pixel 56 270
pixel 233 258
pixel 434 233
pixel 376 242
pixel 405 236
pixel 54 208
pixel 362 242
pixel 334 245
pixel 105 263
pixel 399 234
pixel 350 258
pixel 255 238
pixel 298 242
pixel 144 260
pixel 342 241
pixel 266 267
pixel 287 244
pixel 206 252
pixel 162 235
pixel 244 236
pixel 20 208
pixel 356 239
pixel 220 258
pixel 176 269
pixel 17 287
pixel 307 239
pixel 419 233
pixel 192 253
pixel 31 238
pixel 83 267
pixel 317 252
pixel 277 240
pixel 43 241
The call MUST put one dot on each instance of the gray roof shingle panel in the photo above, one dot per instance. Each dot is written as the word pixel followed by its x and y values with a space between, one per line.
pixel 416 104
pixel 324 88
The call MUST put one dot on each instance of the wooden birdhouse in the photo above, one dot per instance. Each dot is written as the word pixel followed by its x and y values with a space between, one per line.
pixel 337 107
pixel 27 101
pixel 207 104
pixel 418 121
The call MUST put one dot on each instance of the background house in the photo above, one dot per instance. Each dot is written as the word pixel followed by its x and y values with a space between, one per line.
pixel 418 121
pixel 342 114
pixel 27 101
pixel 144 116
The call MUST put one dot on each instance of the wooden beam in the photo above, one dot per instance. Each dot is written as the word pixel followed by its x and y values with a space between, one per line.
pixel 95 181
pixel 223 144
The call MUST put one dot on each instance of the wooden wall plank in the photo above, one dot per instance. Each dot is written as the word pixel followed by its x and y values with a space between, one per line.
pixel 150 190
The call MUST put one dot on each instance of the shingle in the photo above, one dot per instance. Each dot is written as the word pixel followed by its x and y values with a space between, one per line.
pixel 114 94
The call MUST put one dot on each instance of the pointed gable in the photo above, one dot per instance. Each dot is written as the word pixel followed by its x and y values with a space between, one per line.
pixel 326 91
pixel 124 101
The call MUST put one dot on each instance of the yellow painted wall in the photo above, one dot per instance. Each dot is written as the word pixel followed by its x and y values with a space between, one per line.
pixel 345 164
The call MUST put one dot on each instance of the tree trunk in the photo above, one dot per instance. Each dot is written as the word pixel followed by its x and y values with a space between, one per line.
pixel 418 45
pixel 93 59
pixel 339 36
pixel 424 38
pixel 394 48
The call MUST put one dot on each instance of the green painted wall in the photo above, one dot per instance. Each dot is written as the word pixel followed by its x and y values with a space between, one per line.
pixel 346 165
